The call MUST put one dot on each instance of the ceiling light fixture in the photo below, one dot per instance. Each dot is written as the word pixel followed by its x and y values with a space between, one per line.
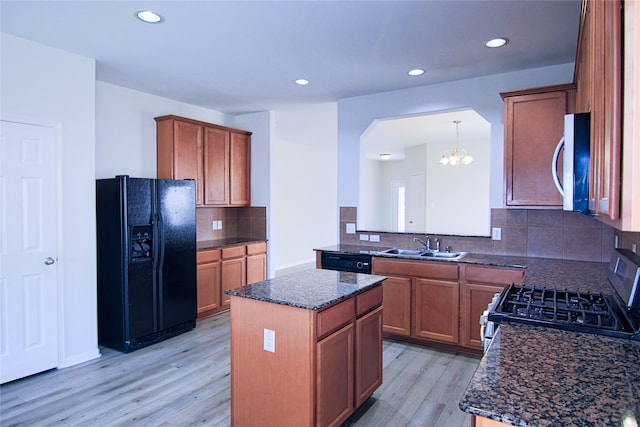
pixel 149 16
pixel 416 72
pixel 497 42
pixel 302 82
pixel 458 156
pixel 385 156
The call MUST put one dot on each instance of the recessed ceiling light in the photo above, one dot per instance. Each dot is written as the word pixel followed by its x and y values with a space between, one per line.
pixel 149 16
pixel 416 72
pixel 497 42
pixel 302 82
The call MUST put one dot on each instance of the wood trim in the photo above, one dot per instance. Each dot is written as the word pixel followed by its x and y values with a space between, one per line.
pixel 200 123
pixel 538 90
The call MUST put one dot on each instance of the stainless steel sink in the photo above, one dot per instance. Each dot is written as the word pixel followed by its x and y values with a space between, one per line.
pixel 424 253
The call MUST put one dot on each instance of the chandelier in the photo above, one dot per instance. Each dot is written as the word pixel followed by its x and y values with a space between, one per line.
pixel 458 155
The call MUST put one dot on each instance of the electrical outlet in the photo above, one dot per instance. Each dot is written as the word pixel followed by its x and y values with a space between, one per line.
pixel 374 238
pixel 634 248
pixel 351 228
pixel 496 233
pixel 214 226
pixel 219 224
pixel 269 340
pixel 364 237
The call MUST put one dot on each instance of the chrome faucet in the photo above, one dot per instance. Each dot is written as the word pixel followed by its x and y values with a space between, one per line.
pixel 426 244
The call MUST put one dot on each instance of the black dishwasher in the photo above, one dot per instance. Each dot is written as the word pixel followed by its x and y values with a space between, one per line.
pixel 357 263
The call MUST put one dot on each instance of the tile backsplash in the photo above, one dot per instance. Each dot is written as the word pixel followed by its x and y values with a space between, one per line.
pixel 250 222
pixel 525 232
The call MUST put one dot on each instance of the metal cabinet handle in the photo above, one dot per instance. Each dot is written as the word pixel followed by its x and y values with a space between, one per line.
pixel 48 260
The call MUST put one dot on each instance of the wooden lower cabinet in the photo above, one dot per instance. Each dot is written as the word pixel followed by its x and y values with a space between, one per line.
pixel 479 285
pixel 208 281
pixel 368 363
pixel 439 302
pixel 396 317
pixel 256 262
pixel 435 309
pixel 334 372
pixel 227 268
pixel 325 365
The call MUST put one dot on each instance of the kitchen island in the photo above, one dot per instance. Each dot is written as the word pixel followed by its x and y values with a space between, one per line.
pixel 306 348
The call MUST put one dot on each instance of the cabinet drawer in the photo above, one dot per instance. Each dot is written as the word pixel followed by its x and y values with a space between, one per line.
pixel 335 317
pixel 435 270
pixel 257 248
pixel 368 300
pixel 493 275
pixel 234 252
pixel 207 256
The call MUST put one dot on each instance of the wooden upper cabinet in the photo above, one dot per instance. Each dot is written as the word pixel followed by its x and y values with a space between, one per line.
pixel 534 125
pixel 217 157
pixel 216 166
pixel 598 77
pixel 179 152
pixel 240 169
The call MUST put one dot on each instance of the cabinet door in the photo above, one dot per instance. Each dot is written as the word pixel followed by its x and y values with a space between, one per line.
pixel 208 287
pixel 240 169
pixel 368 355
pixel 396 316
pixel 216 166
pixel 334 373
pixel 479 285
pixel 233 276
pixel 256 268
pixel 534 124
pixel 435 310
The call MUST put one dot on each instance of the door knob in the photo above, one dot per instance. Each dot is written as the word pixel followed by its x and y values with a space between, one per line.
pixel 48 260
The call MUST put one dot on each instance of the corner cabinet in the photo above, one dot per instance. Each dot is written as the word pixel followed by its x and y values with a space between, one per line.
pixel 217 157
pixel 533 127
pixel 478 285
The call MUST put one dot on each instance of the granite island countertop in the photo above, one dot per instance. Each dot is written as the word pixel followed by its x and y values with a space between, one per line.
pixel 311 289
pixel 538 376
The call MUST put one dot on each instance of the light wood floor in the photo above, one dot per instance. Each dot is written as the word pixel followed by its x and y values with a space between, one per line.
pixel 185 381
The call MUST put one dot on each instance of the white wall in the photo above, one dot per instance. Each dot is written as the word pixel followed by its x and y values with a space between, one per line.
pixel 481 94
pixel 126 130
pixel 45 85
pixel 303 183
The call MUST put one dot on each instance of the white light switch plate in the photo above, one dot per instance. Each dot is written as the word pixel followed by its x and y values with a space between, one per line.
pixel 270 340
pixel 496 233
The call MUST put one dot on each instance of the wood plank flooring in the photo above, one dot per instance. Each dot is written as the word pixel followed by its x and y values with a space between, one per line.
pixel 185 381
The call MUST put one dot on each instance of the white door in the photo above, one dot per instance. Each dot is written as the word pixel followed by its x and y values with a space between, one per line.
pixel 416 203
pixel 28 263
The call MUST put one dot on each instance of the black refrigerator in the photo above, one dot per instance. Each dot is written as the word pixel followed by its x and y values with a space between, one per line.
pixel 146 253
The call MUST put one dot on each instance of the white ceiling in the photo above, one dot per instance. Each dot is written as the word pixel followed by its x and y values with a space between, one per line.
pixel 241 56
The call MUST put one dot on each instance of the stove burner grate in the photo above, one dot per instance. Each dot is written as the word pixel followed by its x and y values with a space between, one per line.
pixel 590 310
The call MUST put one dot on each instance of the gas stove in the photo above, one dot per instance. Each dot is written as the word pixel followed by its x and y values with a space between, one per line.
pixel 616 314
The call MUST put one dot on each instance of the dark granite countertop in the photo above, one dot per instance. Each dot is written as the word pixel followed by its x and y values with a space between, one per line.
pixel 537 376
pixel 221 243
pixel 311 289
